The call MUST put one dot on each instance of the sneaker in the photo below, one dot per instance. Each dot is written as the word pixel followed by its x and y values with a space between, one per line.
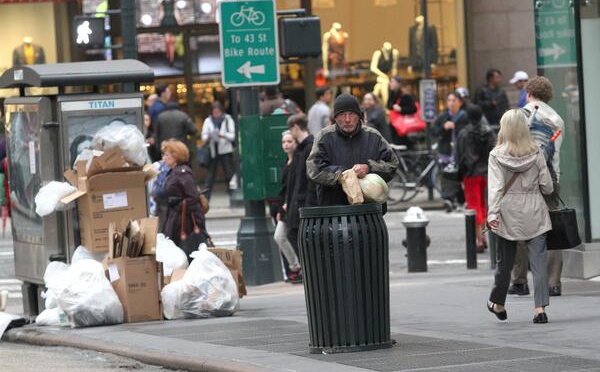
pixel 519 289
pixel 555 291
pixel 295 277
pixel 448 206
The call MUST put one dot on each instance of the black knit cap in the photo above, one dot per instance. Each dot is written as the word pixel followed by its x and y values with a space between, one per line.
pixel 346 103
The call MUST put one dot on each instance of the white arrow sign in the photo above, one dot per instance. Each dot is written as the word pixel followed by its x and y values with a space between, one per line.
pixel 247 69
pixel 556 51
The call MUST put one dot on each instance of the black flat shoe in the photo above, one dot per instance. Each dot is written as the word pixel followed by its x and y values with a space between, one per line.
pixel 541 318
pixel 500 315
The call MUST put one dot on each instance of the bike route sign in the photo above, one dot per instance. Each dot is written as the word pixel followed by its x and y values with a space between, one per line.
pixel 249 48
pixel 428 99
pixel 555 34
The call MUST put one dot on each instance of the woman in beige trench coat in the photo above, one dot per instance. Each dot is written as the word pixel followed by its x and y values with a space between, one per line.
pixel 517 177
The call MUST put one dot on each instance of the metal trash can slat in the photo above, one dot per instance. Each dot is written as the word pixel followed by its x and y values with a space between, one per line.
pixel 344 253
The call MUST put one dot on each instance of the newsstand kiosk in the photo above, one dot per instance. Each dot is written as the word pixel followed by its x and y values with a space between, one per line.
pixel 44 134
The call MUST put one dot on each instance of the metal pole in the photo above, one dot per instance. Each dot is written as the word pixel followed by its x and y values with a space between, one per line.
pixel 261 263
pixel 128 34
pixel 310 66
pixel 471 239
pixel 426 75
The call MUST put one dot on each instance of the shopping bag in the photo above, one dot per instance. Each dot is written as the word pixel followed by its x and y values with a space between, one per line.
pixel 564 233
pixel 405 124
pixel 203 156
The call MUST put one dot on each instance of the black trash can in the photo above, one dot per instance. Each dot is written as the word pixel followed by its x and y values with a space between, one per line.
pixel 344 253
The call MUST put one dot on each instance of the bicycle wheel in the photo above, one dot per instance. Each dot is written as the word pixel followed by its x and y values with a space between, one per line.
pixel 258 19
pixel 237 19
pixel 397 188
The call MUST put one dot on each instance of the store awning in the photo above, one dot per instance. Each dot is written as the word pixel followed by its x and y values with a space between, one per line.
pixel 77 73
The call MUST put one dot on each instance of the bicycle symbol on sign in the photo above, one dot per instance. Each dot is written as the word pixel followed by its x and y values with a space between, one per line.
pixel 247 14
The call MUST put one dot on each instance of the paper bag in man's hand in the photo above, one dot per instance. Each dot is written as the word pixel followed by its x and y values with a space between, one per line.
pixel 351 187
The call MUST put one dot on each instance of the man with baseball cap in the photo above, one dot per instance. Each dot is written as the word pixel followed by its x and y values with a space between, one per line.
pixel 519 80
pixel 347 145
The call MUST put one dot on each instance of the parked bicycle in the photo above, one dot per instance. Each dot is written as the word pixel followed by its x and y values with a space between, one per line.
pixel 417 170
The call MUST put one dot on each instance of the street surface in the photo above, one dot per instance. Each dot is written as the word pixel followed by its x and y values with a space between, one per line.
pixel 28 358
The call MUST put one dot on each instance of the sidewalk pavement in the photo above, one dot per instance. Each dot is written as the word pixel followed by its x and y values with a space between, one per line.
pixel 438 319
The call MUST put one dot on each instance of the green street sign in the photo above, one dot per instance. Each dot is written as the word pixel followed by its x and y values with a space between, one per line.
pixel 555 34
pixel 249 48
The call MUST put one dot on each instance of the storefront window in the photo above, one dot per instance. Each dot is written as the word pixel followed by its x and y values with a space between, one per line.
pixel 362 54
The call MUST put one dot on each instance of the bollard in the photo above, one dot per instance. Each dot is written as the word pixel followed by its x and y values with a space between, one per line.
pixel 471 239
pixel 415 222
pixel 491 237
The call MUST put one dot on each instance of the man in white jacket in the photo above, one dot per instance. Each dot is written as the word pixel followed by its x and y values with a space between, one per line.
pixel 539 93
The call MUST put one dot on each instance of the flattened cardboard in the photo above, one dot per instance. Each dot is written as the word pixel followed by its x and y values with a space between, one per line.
pixel 232 258
pixel 110 159
pixel 136 286
pixel 149 226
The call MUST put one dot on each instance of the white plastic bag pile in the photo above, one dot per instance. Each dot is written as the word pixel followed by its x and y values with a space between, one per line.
pixel 125 136
pixel 79 295
pixel 206 289
pixel 170 255
pixel 48 198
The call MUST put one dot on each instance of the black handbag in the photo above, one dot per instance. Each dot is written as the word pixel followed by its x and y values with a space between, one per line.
pixel 564 233
pixel 203 156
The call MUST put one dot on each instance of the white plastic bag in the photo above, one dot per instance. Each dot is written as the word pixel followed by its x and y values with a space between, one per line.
pixel 125 136
pixel 82 253
pixel 52 317
pixel 49 196
pixel 206 289
pixel 374 188
pixel 170 255
pixel 54 279
pixel 88 299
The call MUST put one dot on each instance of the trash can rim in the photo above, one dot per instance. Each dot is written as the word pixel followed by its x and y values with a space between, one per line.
pixel 340 210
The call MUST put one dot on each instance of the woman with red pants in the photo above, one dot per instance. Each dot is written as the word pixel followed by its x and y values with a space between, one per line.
pixel 474 144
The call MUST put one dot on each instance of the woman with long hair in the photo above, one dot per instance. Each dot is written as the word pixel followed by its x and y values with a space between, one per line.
pixel 288 143
pixel 517 177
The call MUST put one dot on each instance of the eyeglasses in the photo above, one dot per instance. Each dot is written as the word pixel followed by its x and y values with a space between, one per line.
pixel 347 114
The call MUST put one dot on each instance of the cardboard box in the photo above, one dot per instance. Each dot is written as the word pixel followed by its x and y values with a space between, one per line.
pixel 232 258
pixel 136 282
pixel 106 195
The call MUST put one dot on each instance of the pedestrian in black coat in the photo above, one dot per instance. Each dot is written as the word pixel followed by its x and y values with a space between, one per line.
pixel 185 224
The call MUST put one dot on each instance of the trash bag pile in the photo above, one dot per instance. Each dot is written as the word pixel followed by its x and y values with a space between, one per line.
pixel 79 295
pixel 48 198
pixel 170 255
pixel 206 289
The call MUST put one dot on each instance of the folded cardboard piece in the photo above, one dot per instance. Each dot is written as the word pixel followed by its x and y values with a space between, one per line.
pixel 110 191
pixel 135 280
pixel 232 258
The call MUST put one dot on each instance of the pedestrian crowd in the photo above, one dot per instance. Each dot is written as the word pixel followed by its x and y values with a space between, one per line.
pixel 502 163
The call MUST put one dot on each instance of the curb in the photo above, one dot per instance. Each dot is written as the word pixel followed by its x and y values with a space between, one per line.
pixel 201 364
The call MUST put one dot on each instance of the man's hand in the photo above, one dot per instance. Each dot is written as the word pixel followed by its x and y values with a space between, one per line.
pixel 396 107
pixel 494 224
pixel 361 170
pixel 448 125
pixel 150 141
pixel 284 207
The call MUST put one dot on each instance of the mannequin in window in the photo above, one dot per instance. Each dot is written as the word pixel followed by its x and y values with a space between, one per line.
pixel 28 53
pixel 417 47
pixel 384 64
pixel 169 16
pixel 334 49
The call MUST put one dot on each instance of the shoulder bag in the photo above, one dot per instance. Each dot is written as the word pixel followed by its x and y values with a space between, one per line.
pixel 564 233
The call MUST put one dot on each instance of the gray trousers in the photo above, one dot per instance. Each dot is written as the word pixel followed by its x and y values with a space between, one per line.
pixel 555 263
pixel 506 251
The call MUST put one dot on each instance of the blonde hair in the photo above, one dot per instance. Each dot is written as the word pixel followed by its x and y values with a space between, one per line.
pixel 514 138
pixel 178 150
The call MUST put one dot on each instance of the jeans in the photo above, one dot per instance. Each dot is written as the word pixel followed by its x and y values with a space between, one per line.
pixel 285 246
pixel 506 251
pixel 226 160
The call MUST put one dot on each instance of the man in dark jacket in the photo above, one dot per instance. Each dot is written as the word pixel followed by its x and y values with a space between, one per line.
pixel 347 145
pixel 300 189
pixel 174 123
pixel 492 99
